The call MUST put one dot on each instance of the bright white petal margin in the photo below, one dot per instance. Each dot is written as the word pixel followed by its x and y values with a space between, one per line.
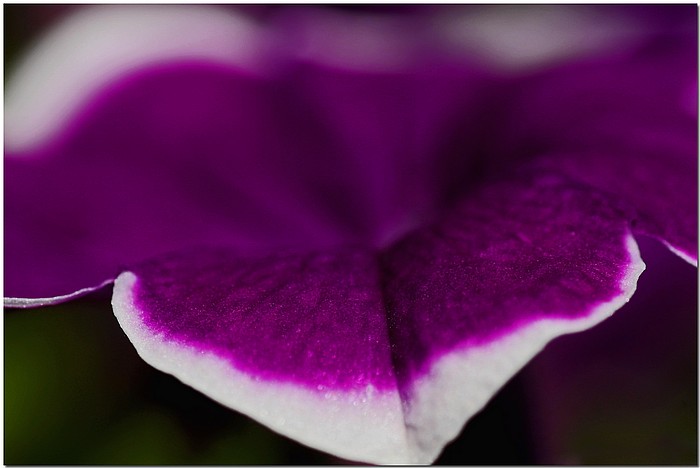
pixel 460 384
pixel 369 426
pixel 366 426
pixel 27 303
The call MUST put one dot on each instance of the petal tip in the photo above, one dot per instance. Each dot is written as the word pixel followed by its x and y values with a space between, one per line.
pixel 365 425
pixel 438 409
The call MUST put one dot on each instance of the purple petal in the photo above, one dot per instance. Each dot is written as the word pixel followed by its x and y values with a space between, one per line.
pixel 98 44
pixel 637 370
pixel 377 353
pixel 435 325
pixel 393 130
pixel 214 150
pixel 626 125
pixel 299 342
pixel 27 303
pixel 472 299
pixel 170 157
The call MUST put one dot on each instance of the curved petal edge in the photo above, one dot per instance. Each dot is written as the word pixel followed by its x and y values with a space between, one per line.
pixel 64 68
pixel 690 258
pixel 364 425
pixel 438 410
pixel 28 303
pixel 395 425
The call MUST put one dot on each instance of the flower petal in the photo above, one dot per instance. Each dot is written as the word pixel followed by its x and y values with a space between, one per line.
pixel 522 37
pixel 26 303
pixel 169 157
pixel 203 146
pixel 65 175
pixel 395 130
pixel 627 125
pixel 298 342
pixel 415 339
pixel 474 298
pixel 99 44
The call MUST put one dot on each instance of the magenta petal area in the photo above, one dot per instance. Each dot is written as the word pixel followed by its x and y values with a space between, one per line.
pixel 313 319
pixel 512 253
pixel 513 257
pixel 193 153
pixel 475 297
pixel 165 158
pixel 626 125
pixel 298 341
pixel 185 152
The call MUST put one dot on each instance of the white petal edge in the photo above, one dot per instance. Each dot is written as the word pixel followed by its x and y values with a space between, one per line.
pixel 461 383
pixel 369 426
pixel 98 43
pixel 27 303
pixel 363 426
pixel 687 257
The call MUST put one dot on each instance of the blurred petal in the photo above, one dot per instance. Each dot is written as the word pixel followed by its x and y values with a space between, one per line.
pixel 625 124
pixel 523 37
pixel 187 160
pixel 169 157
pixel 26 303
pixel 181 147
pixel 99 44
pixel 391 132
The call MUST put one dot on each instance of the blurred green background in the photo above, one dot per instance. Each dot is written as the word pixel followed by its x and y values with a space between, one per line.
pixel 625 392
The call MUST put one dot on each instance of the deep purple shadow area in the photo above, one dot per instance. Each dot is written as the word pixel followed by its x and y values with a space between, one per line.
pixel 189 154
pixel 633 377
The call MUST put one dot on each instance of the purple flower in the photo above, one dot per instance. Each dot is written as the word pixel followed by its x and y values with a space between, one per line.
pixel 354 228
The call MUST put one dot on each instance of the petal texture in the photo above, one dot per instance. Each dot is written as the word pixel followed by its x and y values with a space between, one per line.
pixel 472 299
pixel 298 342
pixel 424 332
